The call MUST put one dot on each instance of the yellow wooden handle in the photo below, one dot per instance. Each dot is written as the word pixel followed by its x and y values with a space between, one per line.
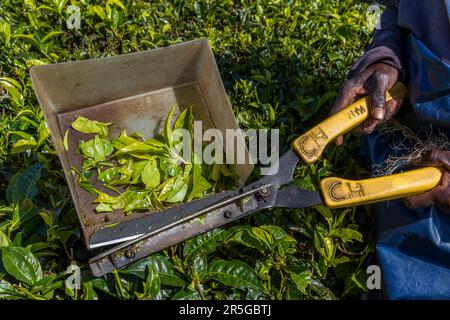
pixel 337 192
pixel 310 145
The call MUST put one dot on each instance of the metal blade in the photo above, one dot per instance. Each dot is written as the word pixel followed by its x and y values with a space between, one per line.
pixel 294 197
pixel 282 171
pixel 132 229
pixel 230 210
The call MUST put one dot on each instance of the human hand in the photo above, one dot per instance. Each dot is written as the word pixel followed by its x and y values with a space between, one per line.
pixel 440 195
pixel 375 81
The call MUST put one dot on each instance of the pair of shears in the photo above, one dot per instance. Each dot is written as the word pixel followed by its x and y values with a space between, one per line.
pixel 148 234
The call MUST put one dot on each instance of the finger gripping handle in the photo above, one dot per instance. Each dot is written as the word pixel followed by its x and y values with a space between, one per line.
pixel 310 145
pixel 337 192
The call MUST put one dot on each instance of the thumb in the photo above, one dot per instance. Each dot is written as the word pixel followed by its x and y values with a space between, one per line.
pixel 422 200
pixel 378 86
pixel 435 158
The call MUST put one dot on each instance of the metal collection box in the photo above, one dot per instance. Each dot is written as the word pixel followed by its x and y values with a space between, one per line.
pixel 135 92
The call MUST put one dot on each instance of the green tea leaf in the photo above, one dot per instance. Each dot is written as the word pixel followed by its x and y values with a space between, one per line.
pixel 43 132
pixel 236 274
pixel 179 190
pixel 47 217
pixel 46 285
pixel 123 140
pixel 50 35
pixel 123 200
pixel 326 213
pixel 162 264
pixel 103 207
pixel 281 65
pixel 204 244
pixel 13 88
pixel 21 264
pixel 23 145
pixel 23 184
pixel 168 128
pixel 152 284
pixel 215 172
pixel 165 188
pixel 347 234
pixel 184 120
pixel 85 125
pixel 105 198
pixel 97 148
pixel 88 291
pixel 138 167
pixel 242 235
pixel 262 236
pixel 150 174
pixel 21 134
pixel 199 183
pixel 168 166
pixel 138 204
pixel 301 280
pixel 4 240
pixel 7 290
pixel 5 32
pixel 200 266
pixel 108 175
pixel 148 148
pixel 186 295
pixel 66 141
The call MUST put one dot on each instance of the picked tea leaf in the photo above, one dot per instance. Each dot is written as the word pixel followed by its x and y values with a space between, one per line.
pixel 199 183
pixel 179 190
pixel 66 142
pixel 85 125
pixel 168 129
pixel 103 207
pixel 150 174
pixel 108 175
pixel 97 148
pixel 143 173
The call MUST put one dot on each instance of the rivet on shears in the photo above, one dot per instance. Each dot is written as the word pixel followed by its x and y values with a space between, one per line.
pixel 227 214
pixel 130 253
pixel 263 192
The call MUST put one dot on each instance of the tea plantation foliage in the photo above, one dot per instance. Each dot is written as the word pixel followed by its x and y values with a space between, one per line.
pixel 282 63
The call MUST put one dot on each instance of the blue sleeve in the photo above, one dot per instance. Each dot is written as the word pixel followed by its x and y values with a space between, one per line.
pixel 387 46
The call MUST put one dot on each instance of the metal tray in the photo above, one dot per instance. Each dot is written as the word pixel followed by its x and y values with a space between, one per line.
pixel 135 92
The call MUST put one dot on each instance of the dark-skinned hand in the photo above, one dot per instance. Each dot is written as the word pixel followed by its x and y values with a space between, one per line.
pixel 440 195
pixel 375 81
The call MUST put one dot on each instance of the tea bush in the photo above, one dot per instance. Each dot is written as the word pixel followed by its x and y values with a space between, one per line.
pixel 282 63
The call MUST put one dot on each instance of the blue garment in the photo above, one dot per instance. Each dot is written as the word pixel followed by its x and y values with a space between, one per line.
pixel 428 20
pixel 428 85
pixel 413 246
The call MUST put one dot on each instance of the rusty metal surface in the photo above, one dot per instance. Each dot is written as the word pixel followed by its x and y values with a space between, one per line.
pixel 239 208
pixel 135 92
